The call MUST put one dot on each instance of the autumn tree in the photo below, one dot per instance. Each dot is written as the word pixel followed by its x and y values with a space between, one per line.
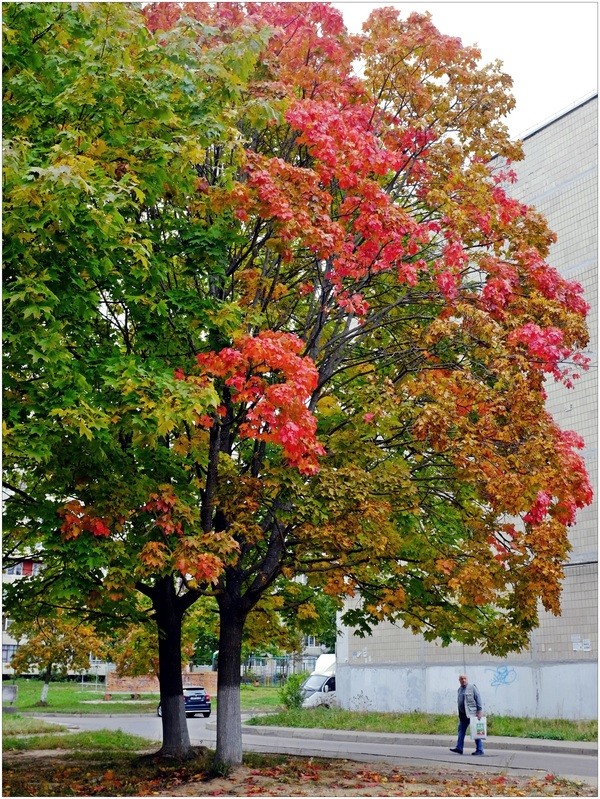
pixel 105 296
pixel 54 646
pixel 269 316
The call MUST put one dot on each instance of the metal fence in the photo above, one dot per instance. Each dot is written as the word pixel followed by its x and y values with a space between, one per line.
pixel 272 670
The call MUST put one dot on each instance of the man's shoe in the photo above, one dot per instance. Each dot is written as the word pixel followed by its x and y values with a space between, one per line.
pixel 458 751
pixel 477 753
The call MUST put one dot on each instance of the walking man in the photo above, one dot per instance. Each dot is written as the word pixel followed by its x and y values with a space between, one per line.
pixel 469 704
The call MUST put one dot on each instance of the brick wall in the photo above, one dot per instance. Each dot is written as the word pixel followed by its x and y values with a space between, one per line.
pixel 148 684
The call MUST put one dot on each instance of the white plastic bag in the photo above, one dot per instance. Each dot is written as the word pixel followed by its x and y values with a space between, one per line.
pixel 478 728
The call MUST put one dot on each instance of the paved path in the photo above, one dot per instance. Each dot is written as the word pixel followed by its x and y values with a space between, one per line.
pixel 577 761
pixel 522 756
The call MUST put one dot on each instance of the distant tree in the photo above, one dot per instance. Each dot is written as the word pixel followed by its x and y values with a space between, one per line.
pixel 270 317
pixel 204 623
pixel 308 611
pixel 54 646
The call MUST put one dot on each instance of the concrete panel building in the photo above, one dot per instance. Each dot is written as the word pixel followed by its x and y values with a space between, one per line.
pixel 557 675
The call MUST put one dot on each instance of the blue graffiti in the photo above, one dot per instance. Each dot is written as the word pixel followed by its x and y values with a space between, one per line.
pixel 502 675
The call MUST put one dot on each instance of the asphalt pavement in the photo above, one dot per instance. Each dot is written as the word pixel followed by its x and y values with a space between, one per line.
pixel 531 756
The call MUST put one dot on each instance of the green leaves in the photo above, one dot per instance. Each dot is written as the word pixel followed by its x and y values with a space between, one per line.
pixel 112 254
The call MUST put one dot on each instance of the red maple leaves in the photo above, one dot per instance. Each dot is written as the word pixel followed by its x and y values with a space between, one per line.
pixel 272 384
pixel 370 198
pixel 76 519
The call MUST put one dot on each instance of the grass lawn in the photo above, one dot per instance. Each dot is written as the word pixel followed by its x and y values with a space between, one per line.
pixel 77 697
pixel 260 698
pixel 97 741
pixel 424 724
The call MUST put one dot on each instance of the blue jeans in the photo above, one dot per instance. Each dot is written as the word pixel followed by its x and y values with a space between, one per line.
pixel 463 724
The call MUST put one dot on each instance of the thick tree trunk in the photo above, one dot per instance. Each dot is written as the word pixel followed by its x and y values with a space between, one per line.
pixel 229 723
pixel 176 738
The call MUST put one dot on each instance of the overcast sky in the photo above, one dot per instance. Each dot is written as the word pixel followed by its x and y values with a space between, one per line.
pixel 548 48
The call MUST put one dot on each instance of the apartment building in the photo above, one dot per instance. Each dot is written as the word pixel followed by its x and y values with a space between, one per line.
pixel 13 569
pixel 557 675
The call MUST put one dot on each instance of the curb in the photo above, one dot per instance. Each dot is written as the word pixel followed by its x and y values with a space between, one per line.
pixel 523 744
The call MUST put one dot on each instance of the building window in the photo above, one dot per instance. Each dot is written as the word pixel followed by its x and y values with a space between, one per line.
pixel 15 568
pixel 310 641
pixel 8 652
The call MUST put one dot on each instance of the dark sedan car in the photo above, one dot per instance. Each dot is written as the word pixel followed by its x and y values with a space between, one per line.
pixel 196 701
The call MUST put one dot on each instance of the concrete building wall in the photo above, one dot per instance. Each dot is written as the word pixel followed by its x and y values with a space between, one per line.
pixel 395 670
pixel 506 690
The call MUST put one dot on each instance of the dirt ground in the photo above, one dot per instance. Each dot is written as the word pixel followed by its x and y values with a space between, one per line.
pixel 53 774
pixel 347 778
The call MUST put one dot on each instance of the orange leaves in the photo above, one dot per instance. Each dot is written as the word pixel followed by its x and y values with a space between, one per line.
pixel 196 555
pixel 391 601
pixel 445 565
pixel 474 585
pixel 204 567
pixel 154 555
pixel 293 198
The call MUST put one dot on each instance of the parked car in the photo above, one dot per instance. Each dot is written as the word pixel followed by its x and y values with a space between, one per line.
pixel 196 701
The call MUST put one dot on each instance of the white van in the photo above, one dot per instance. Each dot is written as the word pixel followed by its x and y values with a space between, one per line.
pixel 319 688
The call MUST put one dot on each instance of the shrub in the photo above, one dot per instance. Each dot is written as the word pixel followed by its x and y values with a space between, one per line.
pixel 290 692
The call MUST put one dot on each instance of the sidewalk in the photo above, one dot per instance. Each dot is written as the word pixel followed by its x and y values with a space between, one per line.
pixel 383 738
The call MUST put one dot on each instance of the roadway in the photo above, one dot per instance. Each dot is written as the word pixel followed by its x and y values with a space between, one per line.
pixel 522 756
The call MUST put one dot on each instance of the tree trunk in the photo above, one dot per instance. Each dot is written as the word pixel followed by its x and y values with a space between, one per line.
pixel 229 723
pixel 176 738
pixel 46 686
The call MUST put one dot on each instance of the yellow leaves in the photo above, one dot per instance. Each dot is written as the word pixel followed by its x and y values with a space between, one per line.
pixel 240 500
pixel 73 531
pixel 67 171
pixel 83 418
pixel 154 555
pixel 254 285
pixel 226 317
pixel 328 406
pixel 474 586
pixel 115 587
pixel 307 611
pixel 384 608
pixel 391 600
pixel 193 152
pixel 159 404
pixel 97 148
pixel 182 445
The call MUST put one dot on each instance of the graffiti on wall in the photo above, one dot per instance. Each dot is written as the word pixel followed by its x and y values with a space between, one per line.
pixel 502 675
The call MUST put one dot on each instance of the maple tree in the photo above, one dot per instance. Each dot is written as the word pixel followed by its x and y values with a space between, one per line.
pixel 270 317
pixel 54 646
